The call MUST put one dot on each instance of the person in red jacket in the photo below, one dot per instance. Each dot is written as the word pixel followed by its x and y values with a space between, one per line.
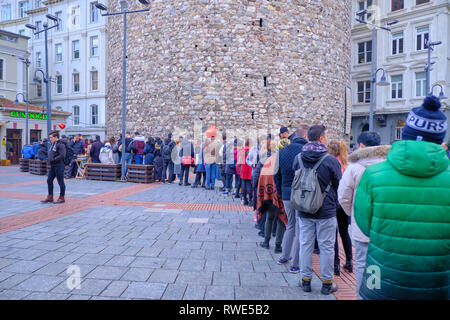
pixel 138 146
pixel 246 174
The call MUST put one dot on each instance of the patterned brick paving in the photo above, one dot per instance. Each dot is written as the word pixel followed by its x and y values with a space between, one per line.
pixel 345 281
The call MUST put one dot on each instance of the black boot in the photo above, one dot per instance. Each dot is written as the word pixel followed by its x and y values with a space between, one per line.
pixel 328 288
pixel 265 245
pixel 348 266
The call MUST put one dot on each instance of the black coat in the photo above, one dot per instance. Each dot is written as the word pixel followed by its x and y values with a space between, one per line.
pixel 285 174
pixel 95 151
pixel 57 153
pixel 42 151
pixel 328 171
pixel 77 147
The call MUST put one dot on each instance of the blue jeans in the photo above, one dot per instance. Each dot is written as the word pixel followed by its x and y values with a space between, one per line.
pixel 211 174
pixel 128 158
pixel 139 159
pixel 228 181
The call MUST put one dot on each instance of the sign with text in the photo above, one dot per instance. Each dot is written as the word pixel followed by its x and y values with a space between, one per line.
pixel 23 115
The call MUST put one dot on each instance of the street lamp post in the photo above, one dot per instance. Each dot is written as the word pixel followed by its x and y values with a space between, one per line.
pixel 361 14
pixel 45 76
pixel 430 46
pixel 124 12
pixel 441 94
pixel 25 98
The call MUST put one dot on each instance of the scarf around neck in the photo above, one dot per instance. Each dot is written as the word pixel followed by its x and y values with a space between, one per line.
pixel 315 146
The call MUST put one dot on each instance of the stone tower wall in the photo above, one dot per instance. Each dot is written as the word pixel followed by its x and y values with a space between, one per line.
pixel 233 63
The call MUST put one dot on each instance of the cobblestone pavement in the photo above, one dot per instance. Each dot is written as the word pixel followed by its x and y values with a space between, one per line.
pixel 137 241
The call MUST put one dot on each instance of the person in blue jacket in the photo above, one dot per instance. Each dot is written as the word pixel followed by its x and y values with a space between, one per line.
pixel 27 151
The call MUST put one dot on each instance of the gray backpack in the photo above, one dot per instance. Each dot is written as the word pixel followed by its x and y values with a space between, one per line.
pixel 306 195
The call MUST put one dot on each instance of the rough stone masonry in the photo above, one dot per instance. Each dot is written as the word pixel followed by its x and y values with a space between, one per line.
pixel 233 63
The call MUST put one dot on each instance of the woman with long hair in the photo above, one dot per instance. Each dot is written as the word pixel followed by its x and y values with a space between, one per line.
pixel 339 150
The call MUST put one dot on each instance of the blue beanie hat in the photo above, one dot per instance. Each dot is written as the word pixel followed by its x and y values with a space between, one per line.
pixel 426 122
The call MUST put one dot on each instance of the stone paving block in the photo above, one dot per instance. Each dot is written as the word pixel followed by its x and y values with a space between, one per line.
pixel 265 256
pixel 245 255
pixel 186 245
pixel 222 254
pixel 24 266
pixel 39 283
pixel 229 245
pixel 117 241
pixel 212 245
pixel 219 293
pixel 115 289
pixel 172 264
pixel 274 293
pixel 174 253
pixel 52 256
pixel 131 251
pixel 25 244
pixel 236 265
pixel 148 262
pixel 192 265
pixel 275 279
pixel 52 269
pixel 213 265
pixel 95 259
pixel 6 262
pixel 88 287
pixel 144 290
pixel 79 297
pixel 137 274
pixel 13 294
pixel 70 257
pixel 174 292
pixel 149 252
pixel 163 276
pixel 196 254
pixel 27 254
pixel 226 279
pixel 116 250
pixel 13 281
pixel 46 296
pixel 274 267
pixel 89 248
pixel 164 244
pixel 120 261
pixel 194 292
pixel 140 243
pixel 107 272
pixel 5 275
pixel 195 277
pixel 249 293
pixel 252 279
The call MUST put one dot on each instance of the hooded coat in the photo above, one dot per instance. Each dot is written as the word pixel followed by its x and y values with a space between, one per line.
pixel 139 143
pixel 27 151
pixel 106 155
pixel 403 206
pixel 359 160
pixel 42 150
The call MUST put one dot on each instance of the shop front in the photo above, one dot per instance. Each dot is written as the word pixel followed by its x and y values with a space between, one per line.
pixel 13 120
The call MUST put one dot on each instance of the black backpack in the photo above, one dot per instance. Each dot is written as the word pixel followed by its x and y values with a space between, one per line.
pixel 166 150
pixel 69 154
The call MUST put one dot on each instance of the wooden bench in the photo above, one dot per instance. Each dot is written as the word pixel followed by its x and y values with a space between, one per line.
pixel 24 164
pixel 103 172
pixel 140 173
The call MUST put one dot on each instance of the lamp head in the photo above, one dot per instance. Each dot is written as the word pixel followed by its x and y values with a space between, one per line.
pixel 51 17
pixel 392 22
pixel 16 101
pixel 124 5
pixel 101 6
pixel 361 13
pixel 31 26
pixel 383 82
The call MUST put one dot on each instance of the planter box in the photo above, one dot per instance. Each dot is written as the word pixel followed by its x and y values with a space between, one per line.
pixel 103 172
pixel 140 173
pixel 38 167
pixel 24 164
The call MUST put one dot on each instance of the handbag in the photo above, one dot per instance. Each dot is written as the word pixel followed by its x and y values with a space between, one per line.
pixel 187 161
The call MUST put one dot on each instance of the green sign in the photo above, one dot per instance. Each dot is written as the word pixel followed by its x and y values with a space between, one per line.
pixel 19 114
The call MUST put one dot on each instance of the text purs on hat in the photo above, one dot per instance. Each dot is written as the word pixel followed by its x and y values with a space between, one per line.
pixel 427 125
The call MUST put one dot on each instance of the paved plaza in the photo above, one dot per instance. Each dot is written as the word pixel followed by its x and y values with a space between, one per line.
pixel 138 241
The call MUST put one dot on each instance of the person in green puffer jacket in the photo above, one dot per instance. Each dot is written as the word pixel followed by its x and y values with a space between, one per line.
pixel 403 206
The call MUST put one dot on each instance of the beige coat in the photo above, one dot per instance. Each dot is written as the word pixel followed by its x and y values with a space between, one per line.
pixel 359 160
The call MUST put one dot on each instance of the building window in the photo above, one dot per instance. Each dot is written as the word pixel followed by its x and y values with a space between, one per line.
pixel 94 46
pixel 75 16
pixel 94 114
pixel 76 115
pixel 37 4
pixel 76 49
pixel 363 91
pixel 365 52
pixel 6 12
pixel 39 88
pixel 59 84
pixel 397 87
pixel 76 82
pixel 398 133
pixel 422 36
pixel 397 5
pixel 421 84
pixel 38 28
pixel 23 7
pixel 421 1
pixel 94 80
pixel 94 12
pixel 58 49
pixel 2 69
pixel 38 60
pixel 397 43
pixel 366 5
pixel 58 15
